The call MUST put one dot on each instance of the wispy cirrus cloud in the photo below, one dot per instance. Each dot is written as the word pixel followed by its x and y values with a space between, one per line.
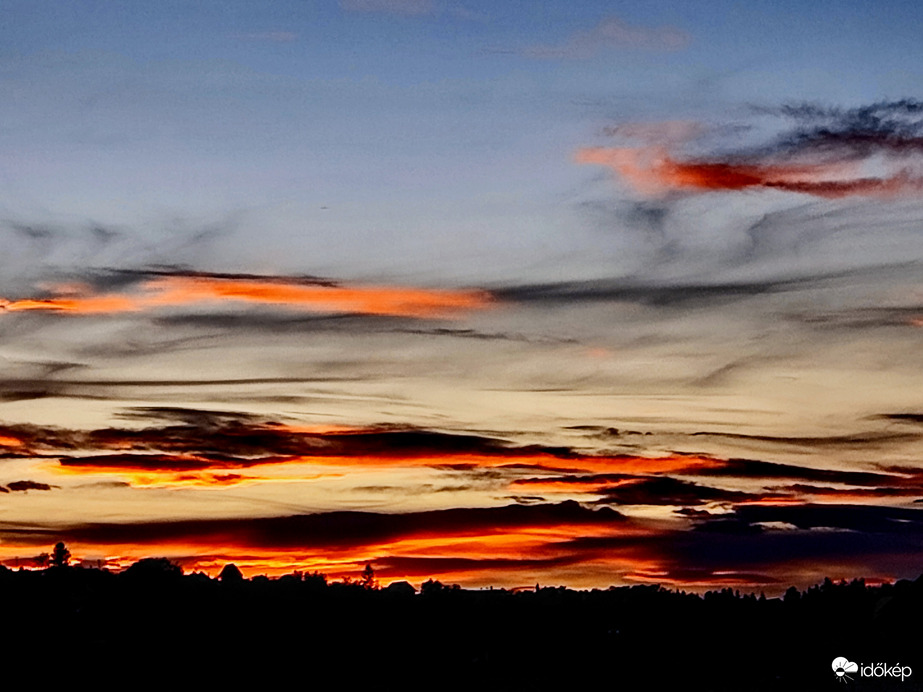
pixel 407 7
pixel 612 33
pixel 269 36
pixel 870 151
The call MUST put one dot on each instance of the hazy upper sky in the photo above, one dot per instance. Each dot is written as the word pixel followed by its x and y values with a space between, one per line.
pixel 314 284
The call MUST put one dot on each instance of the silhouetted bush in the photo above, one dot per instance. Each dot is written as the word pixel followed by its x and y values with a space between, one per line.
pixel 153 569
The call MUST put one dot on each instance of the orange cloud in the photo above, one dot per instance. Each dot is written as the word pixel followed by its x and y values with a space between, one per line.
pixel 872 150
pixel 652 170
pixel 172 470
pixel 576 485
pixel 286 293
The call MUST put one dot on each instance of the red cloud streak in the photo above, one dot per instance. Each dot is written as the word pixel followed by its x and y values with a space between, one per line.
pixel 652 170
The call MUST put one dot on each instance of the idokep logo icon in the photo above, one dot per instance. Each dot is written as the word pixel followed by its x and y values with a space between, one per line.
pixel 842 666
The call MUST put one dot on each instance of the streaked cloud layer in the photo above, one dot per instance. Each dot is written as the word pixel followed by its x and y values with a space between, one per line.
pixel 613 33
pixel 701 503
pixel 486 293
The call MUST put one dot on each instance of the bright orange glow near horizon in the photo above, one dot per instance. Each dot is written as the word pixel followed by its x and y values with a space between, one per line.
pixel 575 486
pixel 440 555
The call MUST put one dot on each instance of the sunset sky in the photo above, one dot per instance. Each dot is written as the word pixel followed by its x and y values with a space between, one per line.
pixel 496 293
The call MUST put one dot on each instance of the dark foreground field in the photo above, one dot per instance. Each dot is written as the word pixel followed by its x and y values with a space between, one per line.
pixel 153 621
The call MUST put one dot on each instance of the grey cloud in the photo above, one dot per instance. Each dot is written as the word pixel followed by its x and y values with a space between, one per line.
pixel 867 439
pixel 667 491
pixel 864 318
pixel 406 7
pixel 864 539
pixel 25 486
pixel 885 126
pixel 612 33
pixel 271 36
pixel 767 470
pixel 653 294
pixel 903 417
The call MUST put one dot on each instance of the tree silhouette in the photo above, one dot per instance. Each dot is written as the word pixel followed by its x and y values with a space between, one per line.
pixel 60 556
pixel 432 586
pixel 154 569
pixel 231 574
pixel 368 580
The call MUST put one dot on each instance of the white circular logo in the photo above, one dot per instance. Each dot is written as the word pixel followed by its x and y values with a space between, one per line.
pixel 842 666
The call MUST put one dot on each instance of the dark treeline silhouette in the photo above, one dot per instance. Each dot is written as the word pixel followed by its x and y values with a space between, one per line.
pixel 626 638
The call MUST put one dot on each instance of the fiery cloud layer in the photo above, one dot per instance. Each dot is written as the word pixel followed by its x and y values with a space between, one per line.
pixel 214 445
pixel 687 519
pixel 757 545
pixel 283 292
